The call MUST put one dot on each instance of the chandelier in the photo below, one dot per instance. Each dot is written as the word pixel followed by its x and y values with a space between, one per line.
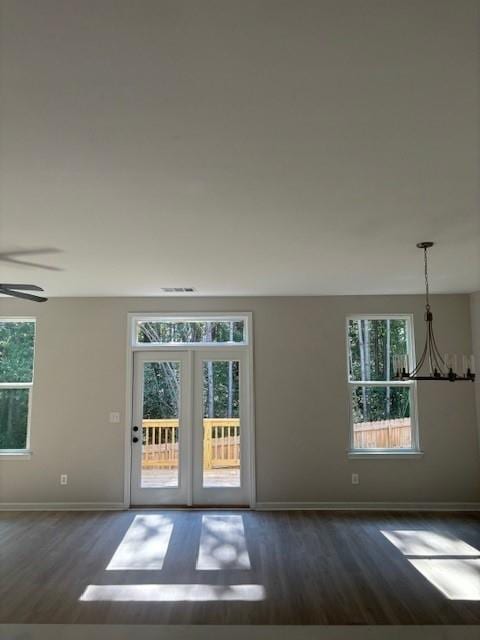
pixel 432 365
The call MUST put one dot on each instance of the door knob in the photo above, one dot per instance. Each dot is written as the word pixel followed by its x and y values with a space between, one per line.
pixel 135 439
pixel 135 428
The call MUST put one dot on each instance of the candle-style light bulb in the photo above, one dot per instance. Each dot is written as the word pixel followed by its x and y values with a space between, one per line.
pixel 405 364
pixel 395 366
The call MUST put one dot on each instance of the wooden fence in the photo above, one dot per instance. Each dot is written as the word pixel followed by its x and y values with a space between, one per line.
pixel 389 434
pixel 221 444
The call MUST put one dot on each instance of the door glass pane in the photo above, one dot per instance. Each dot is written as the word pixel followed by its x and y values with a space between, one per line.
pixel 160 425
pixel 221 423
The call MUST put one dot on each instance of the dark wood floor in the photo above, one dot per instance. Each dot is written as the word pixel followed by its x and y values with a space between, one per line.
pixel 316 568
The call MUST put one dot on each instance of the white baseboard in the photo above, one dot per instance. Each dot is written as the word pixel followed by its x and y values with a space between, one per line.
pixel 367 506
pixel 62 506
pixel 259 506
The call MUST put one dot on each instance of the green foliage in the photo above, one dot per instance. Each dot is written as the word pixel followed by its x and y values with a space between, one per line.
pixel 372 343
pixel 370 404
pixel 188 332
pixel 162 379
pixel 16 351
pixel 220 389
pixel 13 418
pixel 161 390
pixel 16 365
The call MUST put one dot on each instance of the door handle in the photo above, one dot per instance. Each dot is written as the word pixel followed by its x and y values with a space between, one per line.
pixel 135 428
pixel 135 439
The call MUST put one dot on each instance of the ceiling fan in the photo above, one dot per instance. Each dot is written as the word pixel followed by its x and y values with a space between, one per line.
pixel 15 257
pixel 17 291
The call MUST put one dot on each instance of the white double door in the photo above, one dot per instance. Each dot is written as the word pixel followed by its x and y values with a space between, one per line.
pixel 190 428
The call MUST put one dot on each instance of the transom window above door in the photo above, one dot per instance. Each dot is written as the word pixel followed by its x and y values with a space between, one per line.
pixel 191 331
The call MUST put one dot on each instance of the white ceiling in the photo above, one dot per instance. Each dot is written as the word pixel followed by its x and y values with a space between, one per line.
pixel 240 147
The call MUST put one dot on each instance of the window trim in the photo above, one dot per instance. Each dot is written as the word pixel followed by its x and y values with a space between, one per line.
pixel 188 317
pixel 377 452
pixel 22 454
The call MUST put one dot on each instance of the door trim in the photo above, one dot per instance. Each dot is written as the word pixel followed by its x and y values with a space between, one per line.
pixel 250 391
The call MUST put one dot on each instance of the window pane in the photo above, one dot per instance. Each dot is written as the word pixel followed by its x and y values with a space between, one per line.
pixel 221 424
pixel 381 417
pixel 16 351
pixel 168 332
pixel 13 418
pixel 160 425
pixel 372 343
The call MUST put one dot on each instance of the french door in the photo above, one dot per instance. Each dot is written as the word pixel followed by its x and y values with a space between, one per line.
pixel 190 432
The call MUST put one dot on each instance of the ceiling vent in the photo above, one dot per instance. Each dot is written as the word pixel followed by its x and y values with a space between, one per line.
pixel 178 290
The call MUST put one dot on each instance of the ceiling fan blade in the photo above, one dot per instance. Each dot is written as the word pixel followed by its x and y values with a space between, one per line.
pixel 30 252
pixel 25 263
pixel 24 296
pixel 21 287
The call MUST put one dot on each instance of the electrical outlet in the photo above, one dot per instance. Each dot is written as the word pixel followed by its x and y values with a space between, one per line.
pixel 64 478
pixel 355 478
pixel 114 417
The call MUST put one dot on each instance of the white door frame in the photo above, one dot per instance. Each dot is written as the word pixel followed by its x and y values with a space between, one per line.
pixel 249 391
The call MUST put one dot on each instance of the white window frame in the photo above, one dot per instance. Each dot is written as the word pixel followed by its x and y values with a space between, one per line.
pixel 133 346
pixel 415 450
pixel 188 317
pixel 20 454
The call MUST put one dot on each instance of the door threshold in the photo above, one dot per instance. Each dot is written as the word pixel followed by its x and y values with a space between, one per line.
pixel 183 507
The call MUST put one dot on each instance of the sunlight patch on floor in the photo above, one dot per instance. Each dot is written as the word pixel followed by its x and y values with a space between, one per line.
pixel 429 543
pixel 222 544
pixel 173 593
pixel 450 564
pixel 457 579
pixel 144 545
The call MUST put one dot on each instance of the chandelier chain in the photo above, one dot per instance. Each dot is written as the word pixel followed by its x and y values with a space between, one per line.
pixel 427 290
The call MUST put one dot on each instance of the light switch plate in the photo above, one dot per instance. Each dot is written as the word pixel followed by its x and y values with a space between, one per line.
pixel 114 417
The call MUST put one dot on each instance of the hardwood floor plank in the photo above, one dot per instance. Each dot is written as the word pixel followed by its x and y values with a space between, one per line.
pixel 320 567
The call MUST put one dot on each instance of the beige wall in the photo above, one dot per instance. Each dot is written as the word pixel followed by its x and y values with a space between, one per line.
pixel 475 320
pixel 301 419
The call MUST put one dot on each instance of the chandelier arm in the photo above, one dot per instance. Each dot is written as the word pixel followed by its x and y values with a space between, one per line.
pixel 437 351
pixel 435 364
pixel 438 366
pixel 421 361
pixel 431 352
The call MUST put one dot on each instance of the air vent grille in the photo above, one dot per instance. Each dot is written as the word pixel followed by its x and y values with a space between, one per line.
pixel 178 289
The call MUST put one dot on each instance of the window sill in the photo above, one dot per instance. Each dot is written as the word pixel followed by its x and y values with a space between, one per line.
pixel 396 455
pixel 24 454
